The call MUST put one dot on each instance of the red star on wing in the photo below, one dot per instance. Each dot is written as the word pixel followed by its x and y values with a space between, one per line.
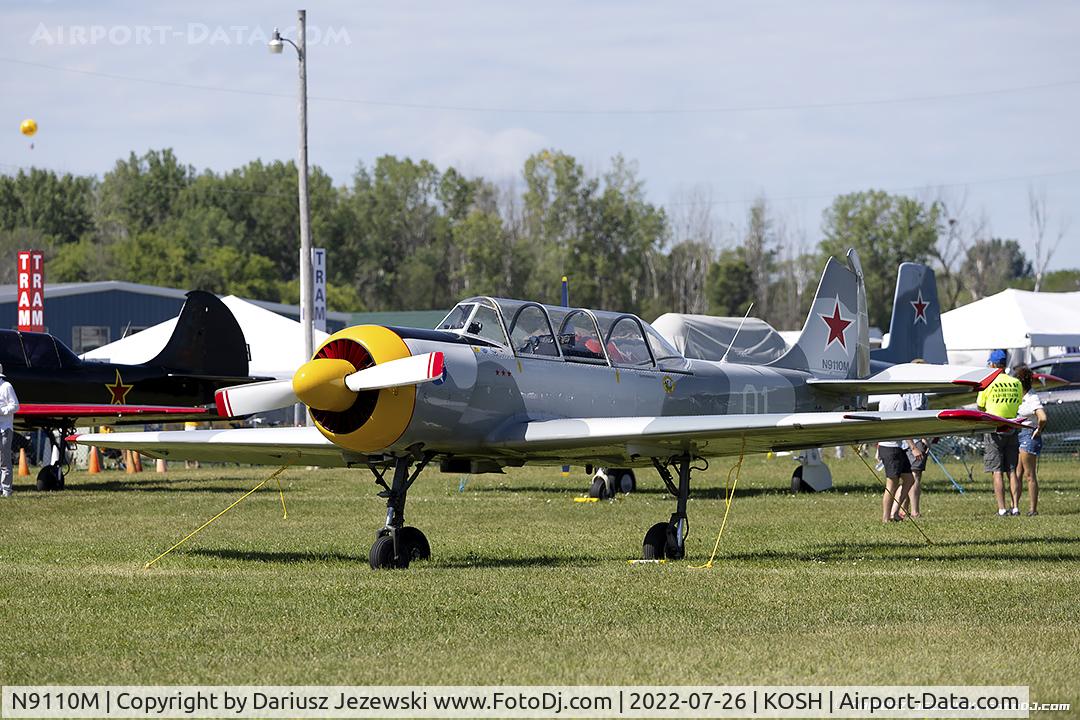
pixel 118 390
pixel 837 326
pixel 920 306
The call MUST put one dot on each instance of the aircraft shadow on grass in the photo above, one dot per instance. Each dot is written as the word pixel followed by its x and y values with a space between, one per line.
pixel 453 562
pixel 155 486
pixel 1012 549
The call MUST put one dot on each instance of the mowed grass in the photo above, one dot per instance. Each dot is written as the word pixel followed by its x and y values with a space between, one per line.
pixel 528 587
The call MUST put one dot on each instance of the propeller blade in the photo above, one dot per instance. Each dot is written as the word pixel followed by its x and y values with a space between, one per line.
pixel 412 370
pixel 254 397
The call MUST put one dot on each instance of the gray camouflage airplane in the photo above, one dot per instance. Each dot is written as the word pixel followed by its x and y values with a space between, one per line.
pixel 503 383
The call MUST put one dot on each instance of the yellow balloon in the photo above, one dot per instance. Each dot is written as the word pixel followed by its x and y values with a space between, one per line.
pixel 28 127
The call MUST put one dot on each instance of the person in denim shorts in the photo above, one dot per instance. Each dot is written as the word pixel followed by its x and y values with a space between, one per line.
pixel 1031 412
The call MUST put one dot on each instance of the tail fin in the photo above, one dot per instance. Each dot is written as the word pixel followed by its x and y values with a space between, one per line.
pixel 835 341
pixel 207 340
pixel 915 327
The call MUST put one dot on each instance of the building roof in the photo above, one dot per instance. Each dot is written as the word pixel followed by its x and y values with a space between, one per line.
pixel 9 294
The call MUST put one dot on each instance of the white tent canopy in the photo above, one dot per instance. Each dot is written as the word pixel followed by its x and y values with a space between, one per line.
pixel 275 343
pixel 1012 320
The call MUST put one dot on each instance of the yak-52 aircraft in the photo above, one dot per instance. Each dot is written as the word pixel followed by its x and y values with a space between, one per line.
pixel 57 390
pixel 509 382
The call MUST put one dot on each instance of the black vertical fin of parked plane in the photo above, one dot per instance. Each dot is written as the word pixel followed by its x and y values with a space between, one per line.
pixel 206 341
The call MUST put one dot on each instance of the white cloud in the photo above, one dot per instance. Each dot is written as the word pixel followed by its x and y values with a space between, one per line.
pixel 473 151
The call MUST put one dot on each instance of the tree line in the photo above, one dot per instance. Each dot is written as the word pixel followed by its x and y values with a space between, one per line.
pixel 405 234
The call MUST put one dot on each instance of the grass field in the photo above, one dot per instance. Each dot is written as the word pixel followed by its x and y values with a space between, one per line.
pixel 528 587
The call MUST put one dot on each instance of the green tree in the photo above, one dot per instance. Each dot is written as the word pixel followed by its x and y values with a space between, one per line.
pixel 992 265
pixel 58 207
pixel 731 284
pixel 142 192
pixel 885 230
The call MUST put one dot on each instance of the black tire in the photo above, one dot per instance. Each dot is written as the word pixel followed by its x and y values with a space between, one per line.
pixel 416 544
pixel 49 478
pixel 625 482
pixel 598 489
pixel 655 545
pixel 381 556
pixel 797 484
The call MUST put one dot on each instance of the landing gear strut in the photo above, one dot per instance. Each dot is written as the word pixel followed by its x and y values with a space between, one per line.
pixel 667 540
pixel 397 544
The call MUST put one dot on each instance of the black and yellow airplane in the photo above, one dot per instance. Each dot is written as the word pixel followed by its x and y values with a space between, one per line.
pixel 58 391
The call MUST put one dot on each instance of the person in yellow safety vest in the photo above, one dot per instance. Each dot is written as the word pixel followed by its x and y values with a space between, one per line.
pixel 1001 450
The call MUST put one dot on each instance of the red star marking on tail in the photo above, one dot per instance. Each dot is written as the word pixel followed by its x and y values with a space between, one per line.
pixel 837 326
pixel 119 390
pixel 920 306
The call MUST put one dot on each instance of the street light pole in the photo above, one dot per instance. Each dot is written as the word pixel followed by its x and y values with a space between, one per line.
pixel 307 298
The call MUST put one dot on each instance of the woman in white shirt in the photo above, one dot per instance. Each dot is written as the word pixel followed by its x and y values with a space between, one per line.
pixel 1031 411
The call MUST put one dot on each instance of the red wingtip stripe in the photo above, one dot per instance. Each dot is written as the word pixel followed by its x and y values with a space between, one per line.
pixel 990 378
pixel 435 365
pixel 221 400
pixel 978 415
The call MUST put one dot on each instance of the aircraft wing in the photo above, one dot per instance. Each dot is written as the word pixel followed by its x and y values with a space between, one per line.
pixel 47 414
pixel 600 439
pixel 912 378
pixel 583 439
pixel 257 446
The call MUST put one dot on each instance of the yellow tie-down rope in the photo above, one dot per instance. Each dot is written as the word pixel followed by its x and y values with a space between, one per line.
pixel 196 531
pixel 729 497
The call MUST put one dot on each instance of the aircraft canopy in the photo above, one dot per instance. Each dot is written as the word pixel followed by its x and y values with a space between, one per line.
pixel 598 337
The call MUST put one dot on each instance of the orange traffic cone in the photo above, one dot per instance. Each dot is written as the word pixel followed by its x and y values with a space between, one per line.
pixel 136 460
pixel 161 467
pixel 94 464
pixel 129 463
pixel 24 467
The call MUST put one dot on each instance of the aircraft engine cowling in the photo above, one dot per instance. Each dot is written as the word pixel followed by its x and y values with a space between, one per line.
pixel 365 421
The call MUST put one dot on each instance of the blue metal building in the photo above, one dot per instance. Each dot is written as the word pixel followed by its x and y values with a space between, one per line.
pixel 88 315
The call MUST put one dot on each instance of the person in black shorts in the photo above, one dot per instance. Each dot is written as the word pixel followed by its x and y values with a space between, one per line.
pixel 898 477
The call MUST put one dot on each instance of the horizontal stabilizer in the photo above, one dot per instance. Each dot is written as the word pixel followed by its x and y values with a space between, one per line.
pixel 912 378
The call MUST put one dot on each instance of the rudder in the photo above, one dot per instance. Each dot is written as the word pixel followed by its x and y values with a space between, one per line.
pixel 915 326
pixel 207 340
pixel 834 342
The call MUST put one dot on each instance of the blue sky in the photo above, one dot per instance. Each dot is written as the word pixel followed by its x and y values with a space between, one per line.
pixel 708 95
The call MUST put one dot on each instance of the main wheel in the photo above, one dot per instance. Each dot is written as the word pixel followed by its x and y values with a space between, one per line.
pixel 625 482
pixel 598 489
pixel 49 477
pixel 381 556
pixel 416 544
pixel 655 545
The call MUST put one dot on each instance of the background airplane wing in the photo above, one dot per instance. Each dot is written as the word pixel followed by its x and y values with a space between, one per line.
pixel 601 439
pixel 46 414
pixel 257 446
pixel 912 378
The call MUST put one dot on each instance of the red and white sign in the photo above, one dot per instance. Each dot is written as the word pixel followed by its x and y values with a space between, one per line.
pixel 31 290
